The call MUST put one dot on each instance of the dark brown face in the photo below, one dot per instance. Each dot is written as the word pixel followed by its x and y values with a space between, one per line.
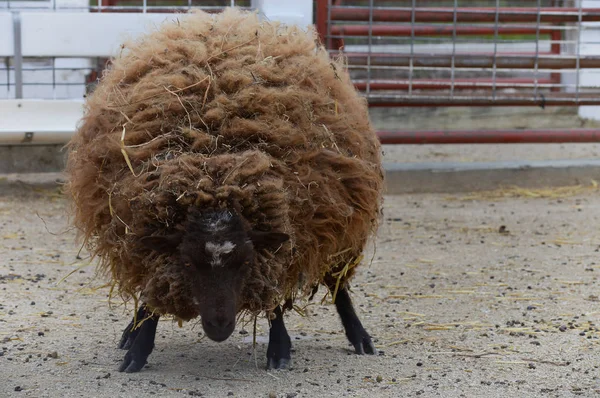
pixel 221 251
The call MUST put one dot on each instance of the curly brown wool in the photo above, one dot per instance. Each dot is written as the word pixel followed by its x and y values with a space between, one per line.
pixel 218 111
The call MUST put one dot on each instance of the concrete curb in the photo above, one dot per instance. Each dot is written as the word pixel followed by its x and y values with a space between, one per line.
pixel 32 158
pixel 431 177
pixel 17 183
pixel 452 177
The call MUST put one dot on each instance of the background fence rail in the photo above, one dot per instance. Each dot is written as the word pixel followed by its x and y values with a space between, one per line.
pixel 479 53
pixel 401 53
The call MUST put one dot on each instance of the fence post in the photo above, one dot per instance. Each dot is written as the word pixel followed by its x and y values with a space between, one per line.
pixel 18 54
pixel 290 12
pixel 588 45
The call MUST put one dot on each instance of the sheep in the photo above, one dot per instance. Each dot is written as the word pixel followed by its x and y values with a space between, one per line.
pixel 226 166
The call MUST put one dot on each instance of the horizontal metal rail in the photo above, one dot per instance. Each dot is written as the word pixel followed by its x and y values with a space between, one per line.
pixel 500 61
pixel 436 30
pixel 471 14
pixel 507 136
pixel 457 84
pixel 480 99
pixel 153 9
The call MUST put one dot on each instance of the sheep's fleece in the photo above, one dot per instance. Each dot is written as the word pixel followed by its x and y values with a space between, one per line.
pixel 226 111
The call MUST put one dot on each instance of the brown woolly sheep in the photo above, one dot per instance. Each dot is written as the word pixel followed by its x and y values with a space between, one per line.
pixel 226 165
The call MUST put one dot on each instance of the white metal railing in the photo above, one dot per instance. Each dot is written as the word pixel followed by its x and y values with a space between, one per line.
pixel 49 48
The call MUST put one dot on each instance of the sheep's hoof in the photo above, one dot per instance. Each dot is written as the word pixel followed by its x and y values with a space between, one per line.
pixel 365 346
pixel 279 354
pixel 131 365
pixel 280 344
pixel 279 363
pixel 361 340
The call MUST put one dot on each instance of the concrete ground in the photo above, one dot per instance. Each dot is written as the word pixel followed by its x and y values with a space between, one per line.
pixel 469 295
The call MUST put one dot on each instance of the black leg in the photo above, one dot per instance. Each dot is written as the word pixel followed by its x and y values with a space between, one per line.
pixel 355 332
pixel 280 345
pixel 130 333
pixel 140 342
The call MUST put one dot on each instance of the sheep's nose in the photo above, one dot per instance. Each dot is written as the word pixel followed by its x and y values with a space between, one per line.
pixel 218 328
pixel 220 323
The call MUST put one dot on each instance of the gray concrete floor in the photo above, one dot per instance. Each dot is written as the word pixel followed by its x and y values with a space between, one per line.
pixel 466 296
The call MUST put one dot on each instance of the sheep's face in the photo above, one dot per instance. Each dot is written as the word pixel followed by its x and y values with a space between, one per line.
pixel 217 251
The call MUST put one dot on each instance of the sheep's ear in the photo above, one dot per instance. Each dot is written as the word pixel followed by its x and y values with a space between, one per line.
pixel 162 244
pixel 268 240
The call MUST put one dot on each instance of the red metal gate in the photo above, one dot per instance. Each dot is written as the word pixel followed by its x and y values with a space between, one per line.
pixel 490 53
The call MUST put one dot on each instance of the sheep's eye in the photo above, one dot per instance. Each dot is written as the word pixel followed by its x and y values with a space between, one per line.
pixel 188 264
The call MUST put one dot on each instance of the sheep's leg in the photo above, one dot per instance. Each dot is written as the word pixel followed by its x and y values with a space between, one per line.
pixel 355 332
pixel 129 334
pixel 140 341
pixel 280 345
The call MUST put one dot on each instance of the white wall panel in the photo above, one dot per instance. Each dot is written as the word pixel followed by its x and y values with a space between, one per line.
pixel 72 34
pixel 6 34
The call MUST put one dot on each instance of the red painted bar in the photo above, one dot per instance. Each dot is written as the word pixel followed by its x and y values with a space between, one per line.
pixel 113 7
pixel 440 30
pixel 503 61
pixel 488 136
pixel 466 98
pixel 470 14
pixel 321 20
pixel 446 84
pixel 556 37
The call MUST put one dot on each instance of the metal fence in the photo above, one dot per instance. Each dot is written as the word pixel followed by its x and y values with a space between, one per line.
pixel 474 53
pixel 143 6
pixel 400 53
pixel 52 53
pixel 69 77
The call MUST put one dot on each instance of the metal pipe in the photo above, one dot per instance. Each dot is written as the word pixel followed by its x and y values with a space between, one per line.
pixel 328 41
pixel 475 61
pixel 321 19
pixel 508 136
pixel 458 84
pixel 537 48
pixel 411 69
pixel 437 30
pixel 555 48
pixel 18 54
pixel 466 14
pixel 479 99
pixel 154 9
pixel 333 43
pixel 494 67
